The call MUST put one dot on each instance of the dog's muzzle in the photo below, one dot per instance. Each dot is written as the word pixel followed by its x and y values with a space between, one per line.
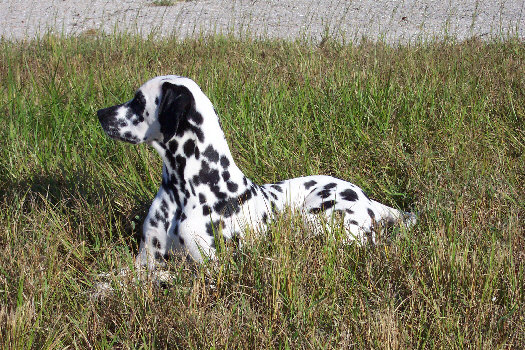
pixel 109 121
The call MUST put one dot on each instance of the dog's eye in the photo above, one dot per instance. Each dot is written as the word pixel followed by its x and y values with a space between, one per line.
pixel 138 103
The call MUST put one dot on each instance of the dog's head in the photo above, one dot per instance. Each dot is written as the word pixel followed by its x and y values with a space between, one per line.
pixel 154 114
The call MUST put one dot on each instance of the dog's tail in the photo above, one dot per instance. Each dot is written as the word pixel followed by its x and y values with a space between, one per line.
pixel 409 219
pixel 390 216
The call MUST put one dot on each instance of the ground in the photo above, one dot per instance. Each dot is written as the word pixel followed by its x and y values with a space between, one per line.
pixel 393 21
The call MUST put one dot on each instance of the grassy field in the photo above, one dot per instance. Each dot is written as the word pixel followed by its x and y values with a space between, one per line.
pixel 437 128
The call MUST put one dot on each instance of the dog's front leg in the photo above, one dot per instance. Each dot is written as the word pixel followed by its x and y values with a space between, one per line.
pixel 158 229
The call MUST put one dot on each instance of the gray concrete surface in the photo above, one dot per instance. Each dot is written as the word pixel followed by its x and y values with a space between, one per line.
pixel 395 21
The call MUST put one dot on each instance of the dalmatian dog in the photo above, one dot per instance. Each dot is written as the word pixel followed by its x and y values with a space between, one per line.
pixel 204 195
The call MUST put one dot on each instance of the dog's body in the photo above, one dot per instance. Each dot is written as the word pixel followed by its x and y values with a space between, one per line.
pixel 204 194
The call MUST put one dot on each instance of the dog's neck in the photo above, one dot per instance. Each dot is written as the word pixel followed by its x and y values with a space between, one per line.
pixel 200 156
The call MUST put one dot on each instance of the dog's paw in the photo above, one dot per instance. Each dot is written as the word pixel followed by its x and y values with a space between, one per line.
pixel 125 277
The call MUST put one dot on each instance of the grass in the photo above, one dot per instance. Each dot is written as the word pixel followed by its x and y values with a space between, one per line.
pixel 435 127
pixel 164 2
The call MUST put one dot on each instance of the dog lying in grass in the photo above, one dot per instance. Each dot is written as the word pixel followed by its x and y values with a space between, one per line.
pixel 205 196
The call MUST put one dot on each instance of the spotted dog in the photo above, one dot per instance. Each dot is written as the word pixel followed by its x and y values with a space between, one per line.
pixel 204 194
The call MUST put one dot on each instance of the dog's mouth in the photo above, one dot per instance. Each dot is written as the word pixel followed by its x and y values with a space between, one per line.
pixel 126 137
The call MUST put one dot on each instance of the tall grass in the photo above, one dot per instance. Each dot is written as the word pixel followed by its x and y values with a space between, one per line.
pixel 437 128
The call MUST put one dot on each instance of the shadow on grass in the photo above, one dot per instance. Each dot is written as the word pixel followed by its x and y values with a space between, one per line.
pixel 94 211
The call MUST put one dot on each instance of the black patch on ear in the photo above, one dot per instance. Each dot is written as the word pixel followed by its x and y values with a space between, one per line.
pixel 177 101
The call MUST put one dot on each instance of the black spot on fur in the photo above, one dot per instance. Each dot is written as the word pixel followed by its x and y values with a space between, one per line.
pixel 217 192
pixel 349 211
pixel 309 184
pixel 171 160
pixel 277 188
pixel 353 222
pixel 207 175
pixel 211 154
pixel 315 210
pixel 328 204
pixel 206 210
pixel 181 240
pixel 196 180
pixel 324 206
pixel 226 175
pixel 196 117
pixel 164 207
pixel 324 193
pixel 225 162
pixel 329 186
pixel 168 183
pixel 181 165
pixel 156 243
pixel 158 256
pixel 202 198
pixel 349 195
pixel 153 222
pixel 246 195
pixel 189 148
pixel 274 208
pixel 172 146
pixel 177 198
pixel 183 217
pixel 231 206
pixel 244 180
pixel 227 207
pixel 232 186
pixel 264 218
pixel 338 212
pixel 371 213
pixel 213 227
pixel 138 104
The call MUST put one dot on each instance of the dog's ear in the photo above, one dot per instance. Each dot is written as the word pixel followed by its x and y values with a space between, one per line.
pixel 176 102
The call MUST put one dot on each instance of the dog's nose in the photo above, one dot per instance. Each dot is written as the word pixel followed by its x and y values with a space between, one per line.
pixel 105 113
